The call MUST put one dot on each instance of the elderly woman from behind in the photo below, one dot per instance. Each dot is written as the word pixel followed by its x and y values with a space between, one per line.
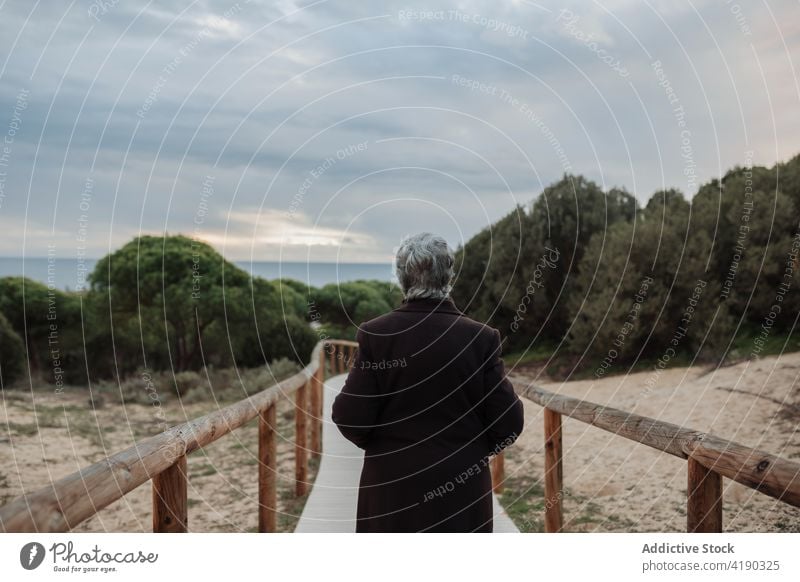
pixel 428 426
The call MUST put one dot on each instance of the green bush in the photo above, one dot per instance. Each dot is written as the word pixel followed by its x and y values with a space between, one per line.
pixel 12 353
pixel 353 302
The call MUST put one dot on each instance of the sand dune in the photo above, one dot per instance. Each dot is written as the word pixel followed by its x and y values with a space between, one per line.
pixel 614 484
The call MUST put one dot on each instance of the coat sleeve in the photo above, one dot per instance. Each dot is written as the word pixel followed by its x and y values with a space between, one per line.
pixel 503 411
pixel 357 407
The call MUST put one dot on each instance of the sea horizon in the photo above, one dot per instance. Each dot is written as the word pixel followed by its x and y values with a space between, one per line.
pixel 70 273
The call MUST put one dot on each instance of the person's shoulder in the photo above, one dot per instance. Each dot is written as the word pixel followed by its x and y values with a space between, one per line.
pixel 392 319
pixel 483 330
pixel 376 323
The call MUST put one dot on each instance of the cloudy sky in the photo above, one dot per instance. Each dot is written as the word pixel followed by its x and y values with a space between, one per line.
pixel 327 130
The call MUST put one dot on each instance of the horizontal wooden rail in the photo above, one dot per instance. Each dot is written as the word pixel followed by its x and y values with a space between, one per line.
pixel 67 502
pixel 710 456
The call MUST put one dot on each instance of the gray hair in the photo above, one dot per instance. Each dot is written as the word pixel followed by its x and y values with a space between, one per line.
pixel 424 266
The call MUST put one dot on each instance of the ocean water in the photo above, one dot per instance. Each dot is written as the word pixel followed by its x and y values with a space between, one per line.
pixel 71 274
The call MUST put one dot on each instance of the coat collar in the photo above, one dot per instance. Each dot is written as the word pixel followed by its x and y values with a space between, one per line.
pixel 446 305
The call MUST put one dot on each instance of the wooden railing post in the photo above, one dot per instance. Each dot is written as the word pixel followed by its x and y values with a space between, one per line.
pixel 300 439
pixel 316 412
pixel 267 471
pixel 321 369
pixel 350 353
pixel 704 499
pixel 340 359
pixel 498 472
pixel 320 387
pixel 332 357
pixel 553 475
pixel 170 514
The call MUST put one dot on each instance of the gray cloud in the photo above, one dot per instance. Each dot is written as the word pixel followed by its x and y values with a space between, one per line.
pixel 146 102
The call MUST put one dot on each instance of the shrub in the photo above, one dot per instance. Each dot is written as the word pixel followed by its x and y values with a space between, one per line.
pixel 186 381
pixel 12 353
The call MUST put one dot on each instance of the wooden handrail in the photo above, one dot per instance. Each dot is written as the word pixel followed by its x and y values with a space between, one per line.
pixel 67 502
pixel 709 457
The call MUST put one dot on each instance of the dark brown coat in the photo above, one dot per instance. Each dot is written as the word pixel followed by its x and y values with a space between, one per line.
pixel 428 401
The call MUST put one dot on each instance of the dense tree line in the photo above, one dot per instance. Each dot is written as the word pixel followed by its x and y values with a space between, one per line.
pixel 171 303
pixel 585 273
pixel 594 274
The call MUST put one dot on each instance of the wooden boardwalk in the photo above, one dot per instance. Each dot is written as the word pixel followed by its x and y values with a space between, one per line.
pixel 331 506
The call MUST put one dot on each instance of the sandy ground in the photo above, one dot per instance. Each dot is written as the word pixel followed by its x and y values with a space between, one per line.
pixel 223 477
pixel 614 484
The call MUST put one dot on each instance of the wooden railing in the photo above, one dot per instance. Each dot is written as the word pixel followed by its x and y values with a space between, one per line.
pixel 709 458
pixel 67 502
